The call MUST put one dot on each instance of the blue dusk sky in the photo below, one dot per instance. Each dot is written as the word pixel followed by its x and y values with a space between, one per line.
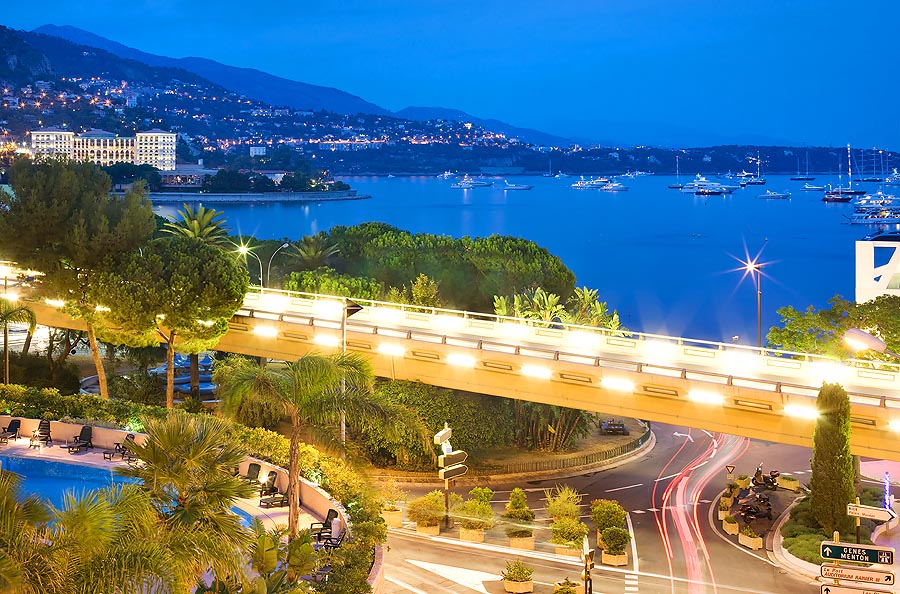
pixel 661 72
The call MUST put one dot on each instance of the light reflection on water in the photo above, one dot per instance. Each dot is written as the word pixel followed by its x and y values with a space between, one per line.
pixel 666 260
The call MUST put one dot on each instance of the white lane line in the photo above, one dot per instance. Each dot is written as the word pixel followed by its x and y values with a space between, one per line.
pixel 634 555
pixel 623 488
pixel 404 585
pixel 663 478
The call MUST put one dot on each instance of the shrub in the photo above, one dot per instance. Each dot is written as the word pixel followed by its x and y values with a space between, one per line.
pixel 568 532
pixel 427 510
pixel 517 572
pixel 743 477
pixel 137 387
pixel 392 494
pixel 749 532
pixel 607 513
pixel 729 519
pixel 566 587
pixel 484 494
pixel 615 540
pixel 519 514
pixel 563 502
pixel 723 505
pixel 474 514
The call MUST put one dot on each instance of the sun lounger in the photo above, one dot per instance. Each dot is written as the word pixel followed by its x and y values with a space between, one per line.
pixel 252 473
pixel 277 500
pixel 332 542
pixel 320 530
pixel 82 440
pixel 41 434
pixel 11 431
pixel 268 487
pixel 119 449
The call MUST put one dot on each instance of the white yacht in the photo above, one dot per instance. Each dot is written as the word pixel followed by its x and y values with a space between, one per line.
pixel 467 183
pixel 590 184
pixel 807 187
pixel 509 186
pixel 613 186
pixel 771 195
pixel 702 186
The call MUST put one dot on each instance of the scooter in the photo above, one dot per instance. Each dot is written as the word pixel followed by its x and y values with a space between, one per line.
pixel 766 481
pixel 752 512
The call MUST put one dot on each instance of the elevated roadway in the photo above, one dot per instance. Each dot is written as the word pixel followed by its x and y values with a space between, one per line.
pixel 758 393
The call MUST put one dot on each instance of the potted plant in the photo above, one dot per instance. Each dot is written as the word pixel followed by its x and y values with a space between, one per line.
pixel 606 513
pixel 568 587
pixel 568 535
pixel 788 482
pixel 563 501
pixel 743 481
pixel 615 539
pixel 474 517
pixel 517 577
pixel 519 516
pixel 427 512
pixel 750 539
pixel 390 511
pixel 730 525
pixel 724 509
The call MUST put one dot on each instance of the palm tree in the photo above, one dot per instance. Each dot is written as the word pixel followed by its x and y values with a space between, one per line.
pixel 314 390
pixel 201 223
pixel 10 312
pixel 106 541
pixel 186 471
pixel 313 251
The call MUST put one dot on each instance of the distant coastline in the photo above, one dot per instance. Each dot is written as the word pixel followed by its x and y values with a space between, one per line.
pixel 247 197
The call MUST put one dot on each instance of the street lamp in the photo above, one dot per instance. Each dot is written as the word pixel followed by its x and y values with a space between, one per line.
pixel 347 310
pixel 244 251
pixel 269 267
pixel 860 340
pixel 755 266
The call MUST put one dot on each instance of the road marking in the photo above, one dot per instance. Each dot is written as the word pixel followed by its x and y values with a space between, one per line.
pixel 638 511
pixel 663 478
pixel 470 578
pixel 634 553
pixel 623 488
pixel 404 585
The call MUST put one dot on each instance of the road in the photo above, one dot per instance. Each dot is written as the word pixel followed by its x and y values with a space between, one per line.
pixel 668 494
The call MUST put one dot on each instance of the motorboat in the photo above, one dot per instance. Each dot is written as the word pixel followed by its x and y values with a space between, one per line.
pixel 711 191
pixel 613 187
pixel 883 235
pixel 755 181
pixel 840 193
pixel 509 186
pixel 467 183
pixel 769 194
pixel 803 177
pixel 590 184
pixel 446 175
pixel 882 216
pixel 704 187
pixel 758 179
pixel 812 188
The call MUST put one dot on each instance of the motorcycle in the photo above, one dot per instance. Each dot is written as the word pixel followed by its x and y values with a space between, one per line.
pixel 765 481
pixel 751 512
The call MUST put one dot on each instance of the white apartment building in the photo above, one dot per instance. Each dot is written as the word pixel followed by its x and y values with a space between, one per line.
pixel 154 147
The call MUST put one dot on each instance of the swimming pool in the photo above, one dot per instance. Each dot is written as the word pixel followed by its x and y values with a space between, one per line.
pixel 52 480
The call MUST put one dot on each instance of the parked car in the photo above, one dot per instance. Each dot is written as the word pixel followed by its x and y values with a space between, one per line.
pixel 613 427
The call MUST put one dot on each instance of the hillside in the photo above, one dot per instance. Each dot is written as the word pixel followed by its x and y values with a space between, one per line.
pixel 249 82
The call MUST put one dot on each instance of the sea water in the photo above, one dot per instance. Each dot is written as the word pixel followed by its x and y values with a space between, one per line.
pixel 668 261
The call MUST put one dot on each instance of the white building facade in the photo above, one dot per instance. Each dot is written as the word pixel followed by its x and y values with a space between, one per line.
pixel 154 147
pixel 877 269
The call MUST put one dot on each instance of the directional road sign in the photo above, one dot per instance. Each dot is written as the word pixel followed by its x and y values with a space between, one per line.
pixel 873 513
pixel 844 551
pixel 453 471
pixel 858 574
pixel 443 435
pixel 826 589
pixel 453 458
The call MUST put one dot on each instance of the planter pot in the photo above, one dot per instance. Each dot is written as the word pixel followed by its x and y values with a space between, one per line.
pixel 471 534
pixel 723 513
pixel 393 518
pixel 790 485
pixel 729 501
pixel 730 528
pixel 743 483
pixel 568 551
pixel 429 530
pixel 579 587
pixel 600 544
pixel 614 560
pixel 754 543
pixel 518 587
pixel 522 542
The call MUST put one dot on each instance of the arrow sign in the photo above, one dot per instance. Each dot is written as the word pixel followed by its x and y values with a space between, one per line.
pixel 826 589
pixel 453 458
pixel 691 439
pixel 872 513
pixel 857 574
pixel 842 551
pixel 453 471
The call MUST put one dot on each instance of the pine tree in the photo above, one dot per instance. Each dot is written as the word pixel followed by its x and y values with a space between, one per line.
pixel 832 480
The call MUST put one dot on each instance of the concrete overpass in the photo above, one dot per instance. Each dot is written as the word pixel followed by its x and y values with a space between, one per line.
pixel 759 393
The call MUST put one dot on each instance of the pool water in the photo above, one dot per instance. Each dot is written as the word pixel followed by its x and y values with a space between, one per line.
pixel 52 480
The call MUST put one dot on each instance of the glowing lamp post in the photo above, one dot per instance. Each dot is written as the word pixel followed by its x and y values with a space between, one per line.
pixel 755 266
pixel 859 340
pixel 269 266
pixel 245 251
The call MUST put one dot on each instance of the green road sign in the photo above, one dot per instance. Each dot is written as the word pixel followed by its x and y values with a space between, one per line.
pixel 843 551
pixel 826 589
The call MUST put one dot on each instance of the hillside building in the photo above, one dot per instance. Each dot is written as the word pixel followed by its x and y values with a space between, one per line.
pixel 154 147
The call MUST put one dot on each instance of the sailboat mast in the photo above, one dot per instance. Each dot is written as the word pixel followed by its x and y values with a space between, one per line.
pixel 849 169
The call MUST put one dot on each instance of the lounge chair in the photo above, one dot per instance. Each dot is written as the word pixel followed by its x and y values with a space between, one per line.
pixel 275 500
pixel 331 542
pixel 82 440
pixel 320 530
pixel 252 473
pixel 11 431
pixel 119 449
pixel 268 487
pixel 41 434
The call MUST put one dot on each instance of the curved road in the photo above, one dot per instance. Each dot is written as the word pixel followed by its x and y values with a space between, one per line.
pixel 668 494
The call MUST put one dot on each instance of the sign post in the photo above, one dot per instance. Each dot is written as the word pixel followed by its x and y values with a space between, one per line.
pixel 451 465
pixel 729 472
pixel 867 575
pixel 842 551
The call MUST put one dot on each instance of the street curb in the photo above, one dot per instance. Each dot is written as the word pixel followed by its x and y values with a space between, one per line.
pixel 486 479
pixel 782 558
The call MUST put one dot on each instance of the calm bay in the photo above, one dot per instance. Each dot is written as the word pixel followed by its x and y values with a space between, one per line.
pixel 666 260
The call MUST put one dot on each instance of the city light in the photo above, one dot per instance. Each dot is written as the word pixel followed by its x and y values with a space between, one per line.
pixel 328 309
pixel 704 397
pixel 392 350
pixel 265 331
pixel 513 331
pixel 894 425
pixel 583 340
pixel 55 302
pixel 801 411
pixel 460 360
pixel 618 384
pixel 536 372
pixel 327 340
